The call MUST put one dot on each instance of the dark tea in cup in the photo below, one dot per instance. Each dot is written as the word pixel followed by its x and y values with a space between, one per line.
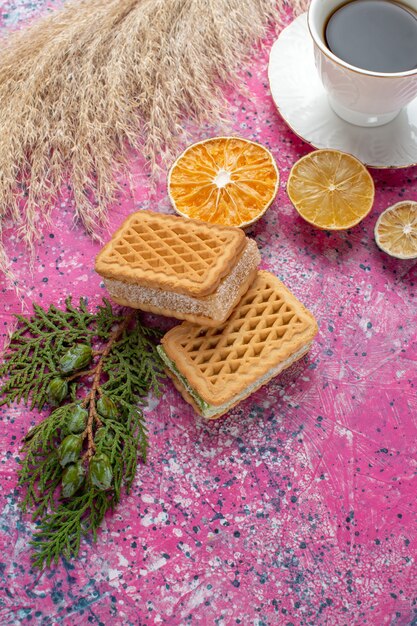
pixel 375 35
pixel 369 88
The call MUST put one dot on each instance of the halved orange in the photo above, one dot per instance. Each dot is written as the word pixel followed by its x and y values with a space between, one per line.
pixel 331 189
pixel 396 230
pixel 224 180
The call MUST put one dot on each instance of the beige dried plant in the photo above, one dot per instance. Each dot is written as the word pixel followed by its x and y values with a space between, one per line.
pixel 83 86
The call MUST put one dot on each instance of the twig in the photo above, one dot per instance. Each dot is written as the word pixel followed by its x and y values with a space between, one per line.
pixel 90 399
pixel 89 372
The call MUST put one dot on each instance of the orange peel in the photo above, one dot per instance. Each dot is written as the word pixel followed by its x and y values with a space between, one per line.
pixel 224 180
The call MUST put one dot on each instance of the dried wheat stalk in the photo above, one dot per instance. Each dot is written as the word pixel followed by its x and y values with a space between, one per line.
pixel 81 87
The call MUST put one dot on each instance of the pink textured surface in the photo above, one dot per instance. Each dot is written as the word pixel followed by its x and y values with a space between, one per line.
pixel 299 507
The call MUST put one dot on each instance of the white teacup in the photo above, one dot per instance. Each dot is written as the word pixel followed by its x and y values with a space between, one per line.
pixel 356 95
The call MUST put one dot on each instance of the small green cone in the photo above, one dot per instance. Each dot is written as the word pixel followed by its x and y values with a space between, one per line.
pixel 107 408
pixel 69 449
pixel 72 479
pixel 57 391
pixel 75 359
pixel 77 420
pixel 101 474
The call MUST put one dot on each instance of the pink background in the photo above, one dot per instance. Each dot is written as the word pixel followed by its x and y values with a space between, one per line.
pixel 297 508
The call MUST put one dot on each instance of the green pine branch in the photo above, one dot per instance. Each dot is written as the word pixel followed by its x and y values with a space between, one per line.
pixel 129 376
pixel 36 347
pixel 97 368
pixel 61 530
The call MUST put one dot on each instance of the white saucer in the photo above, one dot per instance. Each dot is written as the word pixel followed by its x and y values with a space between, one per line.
pixel 300 98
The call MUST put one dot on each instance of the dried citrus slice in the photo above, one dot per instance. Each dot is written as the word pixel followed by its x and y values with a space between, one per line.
pixel 224 180
pixel 396 230
pixel 331 189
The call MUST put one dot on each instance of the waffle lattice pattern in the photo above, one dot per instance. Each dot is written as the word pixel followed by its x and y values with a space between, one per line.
pixel 268 326
pixel 169 252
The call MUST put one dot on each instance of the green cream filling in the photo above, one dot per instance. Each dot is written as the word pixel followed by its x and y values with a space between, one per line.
pixel 202 405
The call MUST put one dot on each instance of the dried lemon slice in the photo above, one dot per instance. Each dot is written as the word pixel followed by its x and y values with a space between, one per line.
pixel 224 180
pixel 396 230
pixel 331 189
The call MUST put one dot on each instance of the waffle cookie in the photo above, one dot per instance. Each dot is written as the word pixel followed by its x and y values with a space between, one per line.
pixel 216 368
pixel 178 267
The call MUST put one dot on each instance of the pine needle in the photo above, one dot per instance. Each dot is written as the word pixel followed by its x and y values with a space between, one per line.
pixel 82 87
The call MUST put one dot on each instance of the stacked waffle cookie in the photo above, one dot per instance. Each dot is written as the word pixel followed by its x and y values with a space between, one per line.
pixel 178 267
pixel 216 368
pixel 243 326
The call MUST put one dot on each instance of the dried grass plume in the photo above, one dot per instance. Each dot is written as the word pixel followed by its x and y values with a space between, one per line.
pixel 82 86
